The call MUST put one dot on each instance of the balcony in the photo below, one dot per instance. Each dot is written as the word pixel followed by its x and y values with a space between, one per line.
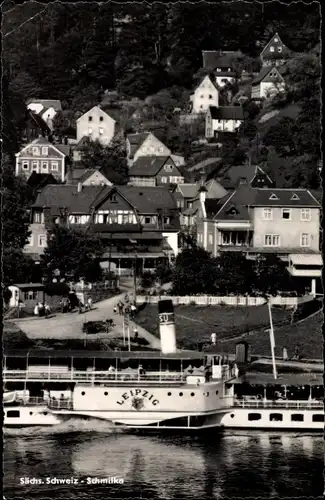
pixel 235 240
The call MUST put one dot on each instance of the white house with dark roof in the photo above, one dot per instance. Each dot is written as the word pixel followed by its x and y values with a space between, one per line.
pixel 95 124
pixel 223 119
pixel 43 157
pixel 206 94
pixel 268 83
pixel 257 221
pixel 275 52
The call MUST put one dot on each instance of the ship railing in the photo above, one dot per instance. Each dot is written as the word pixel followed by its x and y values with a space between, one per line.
pixel 283 403
pixel 96 376
pixel 50 402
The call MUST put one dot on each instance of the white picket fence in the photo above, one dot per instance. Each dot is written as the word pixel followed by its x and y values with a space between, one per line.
pixel 210 300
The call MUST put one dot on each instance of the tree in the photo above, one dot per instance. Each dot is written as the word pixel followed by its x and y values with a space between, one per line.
pixel 194 272
pixel 17 267
pixel 271 274
pixel 234 273
pixel 110 159
pixel 72 253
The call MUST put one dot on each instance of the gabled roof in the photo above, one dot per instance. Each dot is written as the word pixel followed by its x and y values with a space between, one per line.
pixel 213 58
pixel 67 196
pixel 267 54
pixel 232 176
pixel 234 206
pixel 187 190
pixel 136 140
pixel 95 108
pixel 227 113
pixel 38 120
pixel 145 199
pixel 36 180
pixel 64 148
pixel 285 197
pixel 264 73
pixel 149 165
pixel 207 77
pixel 47 103
pixel 40 141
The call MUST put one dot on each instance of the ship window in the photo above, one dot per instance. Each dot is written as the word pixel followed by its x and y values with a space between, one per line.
pixel 169 394
pixel 13 414
pixel 44 412
pixel 181 394
pixel 105 393
pixel 207 394
pixel 297 417
pixel 31 413
pixel 276 417
pixel 232 415
pixel 83 393
pixel 192 394
pixel 254 416
pixel 318 418
pixel 217 392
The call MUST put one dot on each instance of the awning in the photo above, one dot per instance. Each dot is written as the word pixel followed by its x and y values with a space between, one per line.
pixel 132 255
pixel 132 236
pixel 306 259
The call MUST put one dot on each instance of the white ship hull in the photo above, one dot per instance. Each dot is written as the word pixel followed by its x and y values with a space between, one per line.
pixel 29 416
pixel 265 419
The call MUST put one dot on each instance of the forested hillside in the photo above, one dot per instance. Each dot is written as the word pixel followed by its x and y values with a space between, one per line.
pixel 74 52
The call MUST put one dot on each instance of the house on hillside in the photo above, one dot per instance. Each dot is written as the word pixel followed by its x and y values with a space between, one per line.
pixel 250 175
pixel 41 156
pixel 138 225
pixel 155 171
pixel 267 83
pixel 188 199
pixel 147 144
pixel 45 108
pixel 34 127
pixel 275 53
pixel 224 71
pixel 284 222
pixel 206 94
pixel 95 124
pixel 211 58
pixel 223 119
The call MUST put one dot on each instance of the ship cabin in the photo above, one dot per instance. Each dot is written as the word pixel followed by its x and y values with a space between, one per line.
pixel 289 390
pixel 114 367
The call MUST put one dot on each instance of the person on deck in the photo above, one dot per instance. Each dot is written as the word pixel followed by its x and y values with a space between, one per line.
pixel 213 338
pixel 133 310
pixel 285 354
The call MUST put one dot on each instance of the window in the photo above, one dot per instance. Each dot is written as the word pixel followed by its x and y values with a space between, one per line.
pixel 38 217
pixel 25 165
pixel 202 96
pixel 294 197
pixel 286 213
pixel 279 49
pixel 35 151
pixel 112 198
pixel 90 118
pixel 13 414
pixel 190 204
pixel 318 417
pixel 304 240
pixel 147 220
pixel 271 240
pixel 30 240
pixel 90 131
pixel 276 40
pixel 267 213
pixel 166 220
pixel 254 416
pixel 42 240
pixel 168 168
pixel 54 166
pixel 101 118
pixel 30 295
pixel 164 180
pixel 192 394
pixel 45 150
pixel 35 166
pixel 271 49
pixel 305 214
pixel 276 417
pixel 210 238
pixel 181 394
pixel 210 96
pixel 169 394
pixel 101 131
pixel 45 166
pixel 297 417
pixel 160 150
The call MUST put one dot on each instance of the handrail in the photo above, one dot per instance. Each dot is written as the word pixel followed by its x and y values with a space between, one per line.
pixel 277 404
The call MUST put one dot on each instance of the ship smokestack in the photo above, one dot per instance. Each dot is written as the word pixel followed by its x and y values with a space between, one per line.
pixel 167 326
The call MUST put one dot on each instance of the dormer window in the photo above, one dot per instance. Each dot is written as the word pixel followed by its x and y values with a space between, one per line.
pixel 45 151
pixel 273 197
pixel 112 198
pixel 35 151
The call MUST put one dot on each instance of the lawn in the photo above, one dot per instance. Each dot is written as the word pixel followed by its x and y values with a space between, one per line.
pixel 231 324
pixel 196 323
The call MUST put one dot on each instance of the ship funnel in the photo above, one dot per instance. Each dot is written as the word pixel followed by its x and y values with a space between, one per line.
pixel 167 326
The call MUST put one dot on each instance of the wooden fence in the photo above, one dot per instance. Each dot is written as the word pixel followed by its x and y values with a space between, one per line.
pixel 209 300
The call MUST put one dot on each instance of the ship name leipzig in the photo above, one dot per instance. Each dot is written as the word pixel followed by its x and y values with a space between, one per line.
pixel 138 393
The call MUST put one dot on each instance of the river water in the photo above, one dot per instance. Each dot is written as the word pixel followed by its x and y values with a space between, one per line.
pixel 228 465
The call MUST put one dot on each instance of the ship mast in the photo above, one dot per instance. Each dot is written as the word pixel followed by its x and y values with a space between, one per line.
pixel 272 339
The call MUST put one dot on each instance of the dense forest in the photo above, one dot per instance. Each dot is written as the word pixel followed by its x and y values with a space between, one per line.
pixel 75 52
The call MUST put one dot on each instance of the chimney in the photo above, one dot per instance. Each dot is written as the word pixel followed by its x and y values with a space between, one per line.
pixel 167 326
pixel 79 187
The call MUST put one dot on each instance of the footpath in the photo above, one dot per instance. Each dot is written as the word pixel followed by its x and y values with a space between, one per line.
pixel 65 326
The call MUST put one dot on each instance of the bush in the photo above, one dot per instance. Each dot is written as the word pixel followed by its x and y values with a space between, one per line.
pixel 60 288
pixel 7 295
